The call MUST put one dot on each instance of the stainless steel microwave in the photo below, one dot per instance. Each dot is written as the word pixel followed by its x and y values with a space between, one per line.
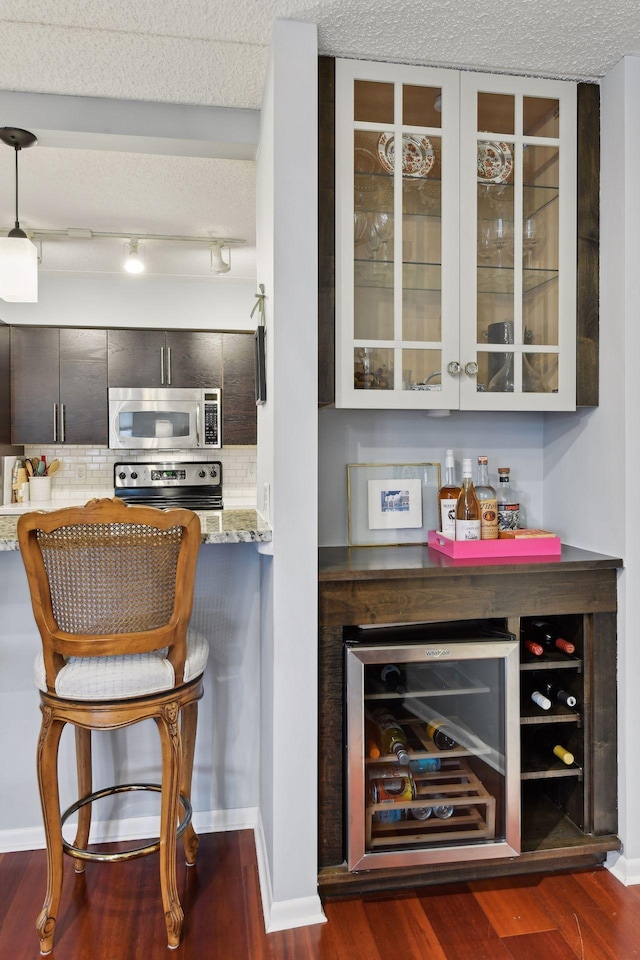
pixel 164 418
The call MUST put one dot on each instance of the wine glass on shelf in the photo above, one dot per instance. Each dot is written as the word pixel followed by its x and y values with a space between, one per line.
pixel 502 237
pixel 383 226
pixel 359 226
pixel 486 248
pixel 533 236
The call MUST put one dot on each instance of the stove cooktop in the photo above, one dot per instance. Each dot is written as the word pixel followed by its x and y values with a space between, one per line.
pixel 196 485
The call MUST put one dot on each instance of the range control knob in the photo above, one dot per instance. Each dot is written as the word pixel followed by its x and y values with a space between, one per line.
pixel 122 476
pixel 202 473
pixel 213 474
pixel 134 475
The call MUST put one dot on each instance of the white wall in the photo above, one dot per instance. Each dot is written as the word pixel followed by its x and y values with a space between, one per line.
pixel 287 461
pixel 225 785
pixel 591 460
pixel 223 304
pixel 363 436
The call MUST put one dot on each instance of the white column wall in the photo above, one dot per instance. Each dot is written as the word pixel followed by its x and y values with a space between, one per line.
pixel 591 459
pixel 287 462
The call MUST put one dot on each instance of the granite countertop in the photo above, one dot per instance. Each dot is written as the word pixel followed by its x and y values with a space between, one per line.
pixel 218 526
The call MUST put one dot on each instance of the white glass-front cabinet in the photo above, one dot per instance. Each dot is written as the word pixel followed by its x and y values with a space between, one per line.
pixel 456 268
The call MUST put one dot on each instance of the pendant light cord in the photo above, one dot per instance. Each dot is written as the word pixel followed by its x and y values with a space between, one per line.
pixel 17 220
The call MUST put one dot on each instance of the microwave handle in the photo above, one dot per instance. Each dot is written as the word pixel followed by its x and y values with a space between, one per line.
pixel 169 366
pixel 162 365
pixel 198 425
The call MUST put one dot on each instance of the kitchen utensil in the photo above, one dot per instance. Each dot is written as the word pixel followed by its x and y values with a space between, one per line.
pixel 54 466
pixel 28 467
pixel 35 462
pixel 41 468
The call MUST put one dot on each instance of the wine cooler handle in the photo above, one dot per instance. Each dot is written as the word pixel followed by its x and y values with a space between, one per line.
pixel 454 368
pixel 471 368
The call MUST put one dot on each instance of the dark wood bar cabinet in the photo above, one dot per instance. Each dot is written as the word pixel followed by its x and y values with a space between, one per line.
pixel 568 817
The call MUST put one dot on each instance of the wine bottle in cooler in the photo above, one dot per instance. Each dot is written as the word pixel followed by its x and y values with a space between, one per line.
pixel 392 738
pixel 508 503
pixel 467 507
pixel 488 502
pixel 448 498
pixel 392 678
pixel 549 638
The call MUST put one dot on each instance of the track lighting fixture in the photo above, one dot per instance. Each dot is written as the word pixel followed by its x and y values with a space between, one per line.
pixel 218 265
pixel 134 262
pixel 18 255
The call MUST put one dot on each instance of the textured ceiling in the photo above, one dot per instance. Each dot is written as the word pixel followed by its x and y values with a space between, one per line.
pixel 211 52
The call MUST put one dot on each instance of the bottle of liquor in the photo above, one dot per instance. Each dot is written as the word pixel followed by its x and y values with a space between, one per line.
pixel 548 637
pixel 508 503
pixel 555 691
pixel 448 498
pixel 488 502
pixel 392 738
pixel 438 731
pixel 467 507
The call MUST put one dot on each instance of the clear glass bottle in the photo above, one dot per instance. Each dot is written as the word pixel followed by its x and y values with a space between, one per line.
pixel 508 503
pixel 467 507
pixel 448 498
pixel 486 494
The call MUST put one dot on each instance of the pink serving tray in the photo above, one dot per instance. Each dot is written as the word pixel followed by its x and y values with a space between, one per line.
pixel 477 549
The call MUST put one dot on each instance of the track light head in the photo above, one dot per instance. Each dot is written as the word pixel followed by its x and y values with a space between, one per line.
pixel 218 265
pixel 133 262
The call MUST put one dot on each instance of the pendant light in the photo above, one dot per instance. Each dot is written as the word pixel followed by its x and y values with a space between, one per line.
pixel 218 264
pixel 18 255
pixel 134 263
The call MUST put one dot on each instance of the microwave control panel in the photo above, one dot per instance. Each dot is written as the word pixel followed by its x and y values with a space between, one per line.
pixel 211 403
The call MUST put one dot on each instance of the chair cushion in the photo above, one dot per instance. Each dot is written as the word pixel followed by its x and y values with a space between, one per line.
pixel 119 678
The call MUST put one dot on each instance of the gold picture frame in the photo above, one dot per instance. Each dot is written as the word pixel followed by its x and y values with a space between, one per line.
pixel 391 504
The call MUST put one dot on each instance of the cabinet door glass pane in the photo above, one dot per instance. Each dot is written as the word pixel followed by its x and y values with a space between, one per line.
pixel 496 113
pixel 540 231
pixel 372 368
pixel 372 239
pixel 541 117
pixel 373 102
pixel 421 106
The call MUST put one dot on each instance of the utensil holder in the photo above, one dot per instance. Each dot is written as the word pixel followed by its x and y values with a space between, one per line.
pixel 39 489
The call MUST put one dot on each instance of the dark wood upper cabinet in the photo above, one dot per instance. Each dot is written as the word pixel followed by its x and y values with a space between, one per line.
pixel 58 385
pixel 194 358
pixel 239 418
pixel 5 384
pixel 136 358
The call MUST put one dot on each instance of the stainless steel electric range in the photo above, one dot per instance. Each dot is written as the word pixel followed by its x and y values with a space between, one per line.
pixel 161 483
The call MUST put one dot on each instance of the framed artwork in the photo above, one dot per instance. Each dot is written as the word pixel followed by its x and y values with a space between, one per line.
pixel 390 504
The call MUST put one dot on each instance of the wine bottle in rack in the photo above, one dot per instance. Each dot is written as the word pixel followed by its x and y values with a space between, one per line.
pixel 467 507
pixel 391 734
pixel 392 678
pixel 448 498
pixel 548 637
pixel 532 647
pixel 541 700
pixel 543 748
pixel 441 736
pixel 555 691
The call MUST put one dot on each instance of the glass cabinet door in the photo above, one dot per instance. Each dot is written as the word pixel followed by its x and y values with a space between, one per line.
pixel 518 243
pixel 397 246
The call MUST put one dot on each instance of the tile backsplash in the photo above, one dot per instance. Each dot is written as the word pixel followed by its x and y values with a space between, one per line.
pixel 88 471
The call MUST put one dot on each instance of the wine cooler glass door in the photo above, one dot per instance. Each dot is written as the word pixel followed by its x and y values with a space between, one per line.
pixel 433 752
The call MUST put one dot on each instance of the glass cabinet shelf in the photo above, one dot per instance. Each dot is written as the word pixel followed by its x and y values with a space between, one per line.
pixel 428 276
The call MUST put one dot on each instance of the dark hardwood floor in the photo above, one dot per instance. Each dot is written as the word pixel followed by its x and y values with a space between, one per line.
pixel 115 913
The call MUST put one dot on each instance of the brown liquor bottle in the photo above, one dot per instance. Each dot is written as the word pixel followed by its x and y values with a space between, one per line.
pixel 448 498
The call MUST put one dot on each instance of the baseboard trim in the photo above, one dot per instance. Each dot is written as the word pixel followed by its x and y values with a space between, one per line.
pixel 134 828
pixel 625 870
pixel 282 914
pixel 278 915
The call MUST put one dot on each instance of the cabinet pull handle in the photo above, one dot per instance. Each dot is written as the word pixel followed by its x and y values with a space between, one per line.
pixel 168 366
pixel 62 423
pixel 454 368
pixel 55 422
pixel 162 365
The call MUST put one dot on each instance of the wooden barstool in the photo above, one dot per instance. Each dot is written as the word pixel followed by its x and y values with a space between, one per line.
pixel 112 592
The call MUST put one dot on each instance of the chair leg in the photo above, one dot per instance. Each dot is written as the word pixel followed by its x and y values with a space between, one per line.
pixel 188 727
pixel 47 767
pixel 83 765
pixel 169 729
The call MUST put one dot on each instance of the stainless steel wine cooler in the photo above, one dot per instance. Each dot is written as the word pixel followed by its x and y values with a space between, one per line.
pixel 433 745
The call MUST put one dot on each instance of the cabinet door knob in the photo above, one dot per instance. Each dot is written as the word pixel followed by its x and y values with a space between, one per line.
pixel 454 368
pixel 471 368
